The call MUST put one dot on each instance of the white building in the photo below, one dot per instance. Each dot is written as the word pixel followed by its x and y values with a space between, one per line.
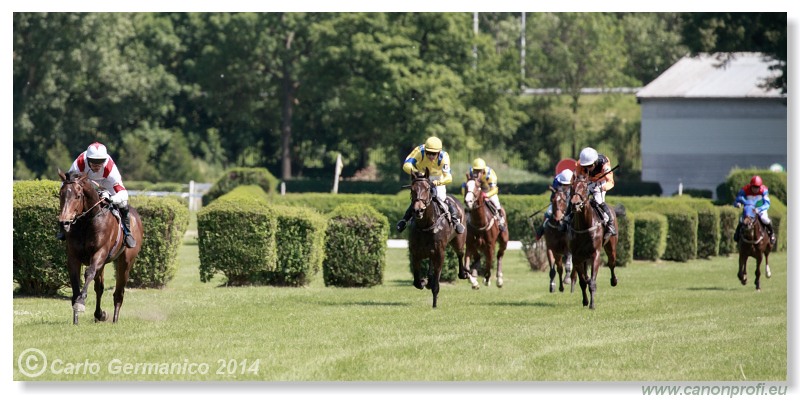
pixel 700 120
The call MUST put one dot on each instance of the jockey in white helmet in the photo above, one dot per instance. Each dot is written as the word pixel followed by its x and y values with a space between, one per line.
pixel 100 167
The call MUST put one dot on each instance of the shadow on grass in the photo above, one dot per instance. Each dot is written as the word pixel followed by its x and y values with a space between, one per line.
pixel 708 289
pixel 364 303
pixel 522 303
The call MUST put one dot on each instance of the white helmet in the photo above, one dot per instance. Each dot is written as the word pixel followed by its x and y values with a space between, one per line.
pixel 588 156
pixel 564 177
pixel 96 151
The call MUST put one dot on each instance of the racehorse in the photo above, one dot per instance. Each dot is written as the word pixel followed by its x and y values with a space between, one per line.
pixel 556 238
pixel 430 233
pixel 94 237
pixel 753 242
pixel 587 240
pixel 483 234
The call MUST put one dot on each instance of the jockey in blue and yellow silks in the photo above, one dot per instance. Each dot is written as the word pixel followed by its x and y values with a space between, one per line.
pixel 488 180
pixel 431 156
pixel 756 194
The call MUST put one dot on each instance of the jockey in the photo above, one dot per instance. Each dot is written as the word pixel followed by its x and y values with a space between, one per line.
pixel 100 167
pixel 595 166
pixel 488 179
pixel 431 156
pixel 757 194
pixel 563 179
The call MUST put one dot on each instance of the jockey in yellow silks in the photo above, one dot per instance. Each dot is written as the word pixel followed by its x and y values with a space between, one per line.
pixel 488 180
pixel 431 156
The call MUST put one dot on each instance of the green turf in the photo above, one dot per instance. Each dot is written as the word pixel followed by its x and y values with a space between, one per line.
pixel 664 321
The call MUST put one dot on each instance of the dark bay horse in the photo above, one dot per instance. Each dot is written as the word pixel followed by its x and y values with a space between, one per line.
pixel 556 237
pixel 483 234
pixel 94 237
pixel 587 240
pixel 430 233
pixel 753 242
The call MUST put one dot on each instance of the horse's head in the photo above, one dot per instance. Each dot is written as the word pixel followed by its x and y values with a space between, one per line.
pixel 421 193
pixel 560 200
pixel 473 198
pixel 77 195
pixel 579 192
pixel 749 219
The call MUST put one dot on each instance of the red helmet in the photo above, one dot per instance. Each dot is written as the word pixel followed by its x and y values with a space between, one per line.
pixel 756 181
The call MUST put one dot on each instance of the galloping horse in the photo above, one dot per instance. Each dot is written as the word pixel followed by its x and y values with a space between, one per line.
pixel 483 232
pixel 556 238
pixel 430 233
pixel 587 240
pixel 94 238
pixel 753 242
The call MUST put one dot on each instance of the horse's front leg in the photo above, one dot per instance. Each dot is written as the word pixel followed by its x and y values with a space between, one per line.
pixel 501 251
pixel 583 280
pixel 437 260
pixel 551 262
pixel 488 253
pixel 766 265
pixel 758 273
pixel 416 266
pixel 596 262
pixel 78 301
pixel 99 314
pixel 742 268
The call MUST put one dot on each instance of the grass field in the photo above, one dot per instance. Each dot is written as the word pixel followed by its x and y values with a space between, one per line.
pixel 665 321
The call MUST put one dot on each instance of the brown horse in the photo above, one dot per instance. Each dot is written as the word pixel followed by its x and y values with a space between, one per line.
pixel 587 240
pixel 430 233
pixel 556 238
pixel 483 234
pixel 94 237
pixel 753 242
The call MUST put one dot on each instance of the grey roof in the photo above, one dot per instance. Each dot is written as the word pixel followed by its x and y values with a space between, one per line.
pixel 705 76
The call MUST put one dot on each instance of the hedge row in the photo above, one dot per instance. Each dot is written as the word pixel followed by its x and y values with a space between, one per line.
pixel 355 246
pixel 40 263
pixel 241 176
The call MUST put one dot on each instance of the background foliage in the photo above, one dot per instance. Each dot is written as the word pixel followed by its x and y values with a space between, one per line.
pixel 185 96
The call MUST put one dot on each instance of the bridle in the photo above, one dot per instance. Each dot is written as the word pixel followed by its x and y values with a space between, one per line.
pixel 84 211
pixel 750 226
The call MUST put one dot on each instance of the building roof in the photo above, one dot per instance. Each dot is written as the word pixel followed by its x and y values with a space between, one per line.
pixel 707 76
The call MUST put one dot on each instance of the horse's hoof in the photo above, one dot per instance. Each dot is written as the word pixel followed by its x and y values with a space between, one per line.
pixel 476 287
pixel 78 307
pixel 103 317
pixel 552 288
pixel 418 285
pixel 499 282
pixel 462 275
pixel 769 272
pixel 613 281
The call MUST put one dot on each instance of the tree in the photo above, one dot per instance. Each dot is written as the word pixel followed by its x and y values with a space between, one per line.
pixel 576 51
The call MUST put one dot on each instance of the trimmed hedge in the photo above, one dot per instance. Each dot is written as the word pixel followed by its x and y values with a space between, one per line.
pixel 650 238
pixel 39 259
pixel 301 246
pixel 707 226
pixel 728 219
pixel 235 177
pixel 625 236
pixel 165 220
pixel 355 246
pixel 236 237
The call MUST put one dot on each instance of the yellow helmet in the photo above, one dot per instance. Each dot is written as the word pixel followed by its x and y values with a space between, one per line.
pixel 433 144
pixel 479 164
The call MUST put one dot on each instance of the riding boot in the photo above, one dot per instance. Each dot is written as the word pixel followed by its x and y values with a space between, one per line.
pixel 501 220
pixel 454 218
pixel 736 233
pixel 771 233
pixel 609 224
pixel 126 227
pixel 401 225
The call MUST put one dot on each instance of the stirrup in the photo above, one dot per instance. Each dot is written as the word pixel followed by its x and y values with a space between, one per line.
pixel 401 225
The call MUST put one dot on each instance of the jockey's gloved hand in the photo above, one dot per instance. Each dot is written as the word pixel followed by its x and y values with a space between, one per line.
pixel 104 195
